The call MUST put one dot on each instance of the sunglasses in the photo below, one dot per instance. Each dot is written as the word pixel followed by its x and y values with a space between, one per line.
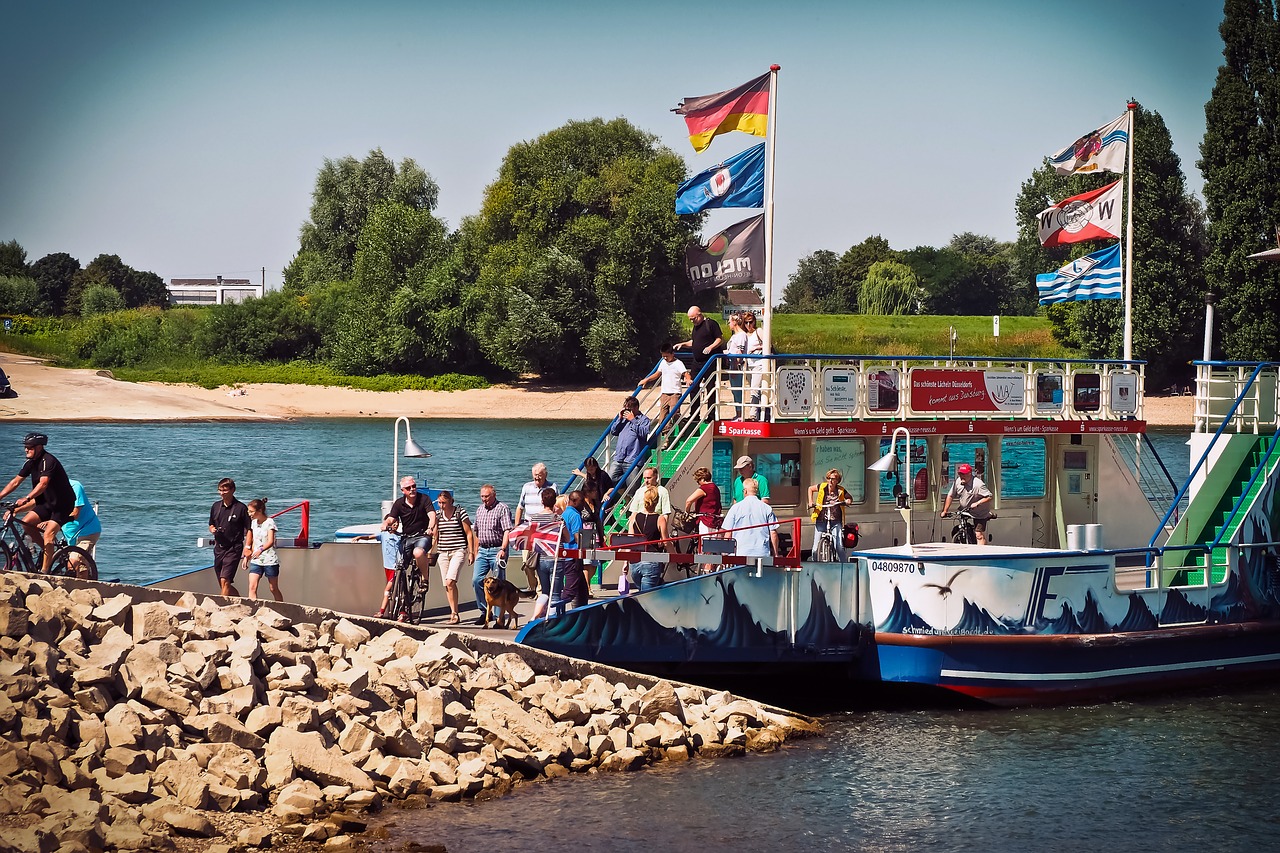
pixel 408 488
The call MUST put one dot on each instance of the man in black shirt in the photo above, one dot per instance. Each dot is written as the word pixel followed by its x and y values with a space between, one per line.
pixel 706 341
pixel 232 535
pixel 417 517
pixel 51 500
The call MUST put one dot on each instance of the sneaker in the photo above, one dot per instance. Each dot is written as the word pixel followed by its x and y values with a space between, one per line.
pixel 402 617
pixel 381 614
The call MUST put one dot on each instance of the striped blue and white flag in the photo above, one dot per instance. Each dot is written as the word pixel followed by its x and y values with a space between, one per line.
pixel 1095 276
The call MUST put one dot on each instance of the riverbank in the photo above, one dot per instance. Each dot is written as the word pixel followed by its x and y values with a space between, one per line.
pixel 48 393
pixel 134 718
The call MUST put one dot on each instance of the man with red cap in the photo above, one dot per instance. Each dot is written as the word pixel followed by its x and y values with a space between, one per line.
pixel 974 497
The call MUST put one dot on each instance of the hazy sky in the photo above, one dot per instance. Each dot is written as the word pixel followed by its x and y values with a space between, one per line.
pixel 185 137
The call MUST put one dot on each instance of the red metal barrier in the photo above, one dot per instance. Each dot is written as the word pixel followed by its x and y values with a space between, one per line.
pixel 304 533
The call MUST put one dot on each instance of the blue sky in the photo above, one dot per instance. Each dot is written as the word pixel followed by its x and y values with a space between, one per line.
pixel 186 137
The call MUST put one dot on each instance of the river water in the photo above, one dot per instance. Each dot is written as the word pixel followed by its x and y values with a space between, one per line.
pixel 1174 773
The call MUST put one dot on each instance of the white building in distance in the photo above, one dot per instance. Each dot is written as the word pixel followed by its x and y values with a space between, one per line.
pixel 212 291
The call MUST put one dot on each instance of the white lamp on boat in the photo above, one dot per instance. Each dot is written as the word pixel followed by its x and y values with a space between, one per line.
pixel 888 464
pixel 412 450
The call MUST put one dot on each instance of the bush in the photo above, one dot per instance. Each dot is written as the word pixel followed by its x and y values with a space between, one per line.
pixel 100 298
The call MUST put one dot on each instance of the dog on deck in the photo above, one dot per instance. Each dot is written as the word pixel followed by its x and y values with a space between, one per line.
pixel 500 600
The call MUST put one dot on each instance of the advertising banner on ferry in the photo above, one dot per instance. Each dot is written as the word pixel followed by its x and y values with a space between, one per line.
pixel 941 390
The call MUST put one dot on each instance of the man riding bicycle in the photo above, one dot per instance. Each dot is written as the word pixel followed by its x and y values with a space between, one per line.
pixel 827 501
pixel 49 503
pixel 974 498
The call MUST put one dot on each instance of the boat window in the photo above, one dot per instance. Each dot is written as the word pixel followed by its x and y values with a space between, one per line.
pixel 958 450
pixel 1022 467
pixel 849 455
pixel 918 476
pixel 778 461
pixel 722 467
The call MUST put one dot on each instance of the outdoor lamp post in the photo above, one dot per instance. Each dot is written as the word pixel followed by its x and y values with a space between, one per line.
pixel 888 464
pixel 412 450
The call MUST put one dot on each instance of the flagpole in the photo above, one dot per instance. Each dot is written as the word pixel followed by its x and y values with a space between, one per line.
pixel 1128 249
pixel 768 209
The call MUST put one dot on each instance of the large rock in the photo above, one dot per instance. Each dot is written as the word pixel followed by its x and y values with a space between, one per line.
pixel 349 634
pixel 313 760
pixel 659 699
pixel 183 820
pixel 493 710
pixel 153 621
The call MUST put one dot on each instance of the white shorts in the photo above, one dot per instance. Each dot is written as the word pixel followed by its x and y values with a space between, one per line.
pixel 451 563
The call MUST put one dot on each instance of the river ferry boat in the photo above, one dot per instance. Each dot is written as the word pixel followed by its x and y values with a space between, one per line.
pixel 1102 576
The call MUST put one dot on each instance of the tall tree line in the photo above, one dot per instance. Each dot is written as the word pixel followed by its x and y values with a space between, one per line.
pixel 1240 160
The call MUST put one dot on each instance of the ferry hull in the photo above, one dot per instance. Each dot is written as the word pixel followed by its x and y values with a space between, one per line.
pixel 1057 669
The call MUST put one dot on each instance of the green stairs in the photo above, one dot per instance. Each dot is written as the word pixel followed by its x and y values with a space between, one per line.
pixel 669 461
pixel 1226 520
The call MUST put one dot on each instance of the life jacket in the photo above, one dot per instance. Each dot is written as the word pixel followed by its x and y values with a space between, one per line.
pixel 822 498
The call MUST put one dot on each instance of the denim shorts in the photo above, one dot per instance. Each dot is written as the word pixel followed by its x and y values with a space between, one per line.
pixel 271 571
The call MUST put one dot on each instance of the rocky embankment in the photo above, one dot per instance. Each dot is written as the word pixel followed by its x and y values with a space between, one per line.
pixel 210 725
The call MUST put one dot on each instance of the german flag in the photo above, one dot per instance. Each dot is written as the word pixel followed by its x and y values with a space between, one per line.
pixel 744 108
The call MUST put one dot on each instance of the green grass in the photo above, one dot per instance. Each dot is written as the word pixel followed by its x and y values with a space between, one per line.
pixel 857 334
pixel 215 375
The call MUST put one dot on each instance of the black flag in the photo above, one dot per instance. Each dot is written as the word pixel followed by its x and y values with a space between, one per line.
pixel 734 256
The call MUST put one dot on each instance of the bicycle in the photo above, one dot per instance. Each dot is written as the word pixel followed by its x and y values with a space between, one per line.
pixel 408 587
pixel 18 553
pixel 965 533
pixel 827 544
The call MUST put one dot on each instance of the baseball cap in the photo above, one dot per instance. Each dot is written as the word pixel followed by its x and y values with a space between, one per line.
pixel 964 468
pixel 743 461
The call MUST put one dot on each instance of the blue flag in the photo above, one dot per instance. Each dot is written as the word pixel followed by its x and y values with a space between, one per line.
pixel 737 182
pixel 1095 276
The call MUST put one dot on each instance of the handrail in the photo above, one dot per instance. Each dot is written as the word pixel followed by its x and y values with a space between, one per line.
pixel 603 439
pixel 302 540
pixel 1177 499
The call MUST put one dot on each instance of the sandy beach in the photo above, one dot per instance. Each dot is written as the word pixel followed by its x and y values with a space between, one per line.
pixel 57 394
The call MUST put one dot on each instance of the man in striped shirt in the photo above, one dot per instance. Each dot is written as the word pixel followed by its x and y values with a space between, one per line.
pixel 493 530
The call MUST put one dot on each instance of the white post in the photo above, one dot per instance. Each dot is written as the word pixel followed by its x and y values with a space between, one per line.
pixel 772 145
pixel 1128 249
pixel 1208 327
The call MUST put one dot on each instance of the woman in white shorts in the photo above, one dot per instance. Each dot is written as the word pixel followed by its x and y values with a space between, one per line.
pixel 456 542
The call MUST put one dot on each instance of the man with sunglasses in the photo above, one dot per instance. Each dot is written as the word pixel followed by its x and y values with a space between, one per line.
pixel 416 515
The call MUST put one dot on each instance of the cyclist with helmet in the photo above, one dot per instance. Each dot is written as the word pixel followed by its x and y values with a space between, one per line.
pixel 974 497
pixel 51 500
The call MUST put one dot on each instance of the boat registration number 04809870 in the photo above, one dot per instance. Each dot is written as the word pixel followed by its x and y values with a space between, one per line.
pixel 900 566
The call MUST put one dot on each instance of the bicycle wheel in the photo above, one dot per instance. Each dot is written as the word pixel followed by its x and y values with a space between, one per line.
pixel 416 596
pixel 823 552
pixel 74 562
pixel 399 602
pixel 6 558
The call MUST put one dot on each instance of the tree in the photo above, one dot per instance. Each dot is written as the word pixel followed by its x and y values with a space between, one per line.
pixel 1168 284
pixel 137 289
pixel 855 265
pixel 397 246
pixel 577 250
pixel 815 276
pixel 20 295
pixel 347 192
pixel 1240 160
pixel 13 259
pixel 55 274
pixel 891 288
